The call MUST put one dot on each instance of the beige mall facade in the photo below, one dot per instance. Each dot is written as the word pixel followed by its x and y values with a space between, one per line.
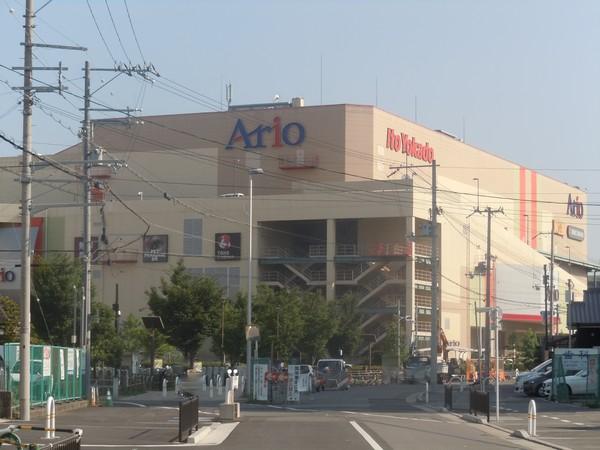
pixel 329 214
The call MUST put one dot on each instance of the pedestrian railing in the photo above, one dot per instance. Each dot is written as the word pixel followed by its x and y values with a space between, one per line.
pixel 188 417
pixel 479 402
pixel 448 397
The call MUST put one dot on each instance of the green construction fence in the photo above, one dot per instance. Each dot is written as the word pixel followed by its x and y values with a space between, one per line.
pixel 56 371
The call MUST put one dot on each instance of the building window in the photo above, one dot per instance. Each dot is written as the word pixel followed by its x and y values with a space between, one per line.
pixel 446 324
pixel 192 237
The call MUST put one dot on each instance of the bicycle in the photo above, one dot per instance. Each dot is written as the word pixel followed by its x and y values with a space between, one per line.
pixel 9 437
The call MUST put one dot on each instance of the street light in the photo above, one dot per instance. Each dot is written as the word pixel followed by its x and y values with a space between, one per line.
pixel 251 172
pixel 477 180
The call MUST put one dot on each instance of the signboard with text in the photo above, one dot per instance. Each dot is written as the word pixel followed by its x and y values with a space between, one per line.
pixel 228 246
pixel 156 248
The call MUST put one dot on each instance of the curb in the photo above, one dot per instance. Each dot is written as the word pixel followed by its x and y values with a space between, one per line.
pixel 521 434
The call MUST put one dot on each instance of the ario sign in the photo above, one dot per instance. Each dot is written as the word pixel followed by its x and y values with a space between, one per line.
pixel 409 145
pixel 574 207
pixel 275 134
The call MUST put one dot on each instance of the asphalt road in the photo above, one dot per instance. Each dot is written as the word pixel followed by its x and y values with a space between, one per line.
pixel 369 418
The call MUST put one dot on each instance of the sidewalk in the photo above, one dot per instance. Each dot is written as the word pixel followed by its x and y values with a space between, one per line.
pixel 147 419
pixel 560 426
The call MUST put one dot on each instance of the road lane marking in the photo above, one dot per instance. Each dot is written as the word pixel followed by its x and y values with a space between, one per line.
pixel 565 421
pixel 387 416
pixel 580 424
pixel 139 405
pixel 374 445
pixel 555 418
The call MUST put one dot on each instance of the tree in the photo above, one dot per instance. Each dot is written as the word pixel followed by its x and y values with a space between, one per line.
pixel 187 306
pixel 232 322
pixel 56 281
pixel 107 346
pixel 319 325
pixel 347 334
pixel 9 320
pixel 529 349
pixel 390 342
pixel 279 317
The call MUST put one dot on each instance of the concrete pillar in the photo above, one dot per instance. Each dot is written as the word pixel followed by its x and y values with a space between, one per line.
pixel 409 286
pixel 330 265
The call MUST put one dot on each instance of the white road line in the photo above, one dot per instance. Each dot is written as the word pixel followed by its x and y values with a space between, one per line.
pixel 131 403
pixel 374 445
pixel 555 418
pixel 580 424
pixel 565 420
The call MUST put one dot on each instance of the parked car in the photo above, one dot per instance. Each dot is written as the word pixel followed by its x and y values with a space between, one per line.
pixel 523 376
pixel 534 385
pixel 577 384
pixel 333 374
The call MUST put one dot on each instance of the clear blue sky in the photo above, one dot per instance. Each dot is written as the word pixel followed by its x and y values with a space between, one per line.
pixel 523 76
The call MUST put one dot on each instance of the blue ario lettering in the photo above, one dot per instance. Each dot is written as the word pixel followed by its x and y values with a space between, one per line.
pixel 574 207
pixel 275 135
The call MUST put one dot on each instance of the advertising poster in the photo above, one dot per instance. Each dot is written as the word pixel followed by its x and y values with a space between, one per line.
pixel 228 246
pixel 304 382
pixel 261 385
pixel 46 362
pixel 62 363
pixel 156 248
pixel 77 363
pixel 293 395
pixel 70 361
pixel 575 359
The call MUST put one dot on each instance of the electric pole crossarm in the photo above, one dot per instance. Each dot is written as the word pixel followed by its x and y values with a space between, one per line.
pixel 59 47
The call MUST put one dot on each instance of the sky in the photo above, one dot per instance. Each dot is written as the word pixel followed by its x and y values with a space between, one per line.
pixel 518 78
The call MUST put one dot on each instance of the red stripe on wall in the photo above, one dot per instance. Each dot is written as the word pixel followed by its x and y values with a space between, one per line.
pixel 533 318
pixel 522 204
pixel 533 229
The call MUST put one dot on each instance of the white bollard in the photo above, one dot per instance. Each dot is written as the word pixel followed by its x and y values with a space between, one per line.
pixel 177 384
pixel 427 392
pixel 203 383
pixel 210 389
pixel 50 418
pixel 532 418
pixel 93 396
pixel 164 387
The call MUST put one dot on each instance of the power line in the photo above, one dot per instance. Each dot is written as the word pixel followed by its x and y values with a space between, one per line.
pixel 133 30
pixel 100 32
pixel 117 31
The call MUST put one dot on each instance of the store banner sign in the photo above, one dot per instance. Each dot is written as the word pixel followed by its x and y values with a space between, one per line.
pixel 228 246
pixel 409 145
pixel 275 134
pixel 10 276
pixel 259 380
pixel 574 207
pixel 156 248
pixel 47 361
pixel 575 233
pixel 293 394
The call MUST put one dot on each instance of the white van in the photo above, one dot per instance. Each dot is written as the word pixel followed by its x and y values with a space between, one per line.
pixel 541 368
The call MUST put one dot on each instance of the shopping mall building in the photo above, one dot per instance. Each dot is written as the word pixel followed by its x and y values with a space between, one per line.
pixel 342 206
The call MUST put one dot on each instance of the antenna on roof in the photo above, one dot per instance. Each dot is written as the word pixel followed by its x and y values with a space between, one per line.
pixel 228 94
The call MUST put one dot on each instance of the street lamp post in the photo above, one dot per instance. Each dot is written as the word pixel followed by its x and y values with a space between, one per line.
pixel 251 172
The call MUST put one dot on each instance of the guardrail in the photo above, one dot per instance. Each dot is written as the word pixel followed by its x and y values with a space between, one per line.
pixel 479 402
pixel 188 417
pixel 448 397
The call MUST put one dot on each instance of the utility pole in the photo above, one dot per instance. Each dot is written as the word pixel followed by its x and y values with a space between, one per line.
pixel 434 277
pixel 87 229
pixel 87 137
pixel 434 267
pixel 24 380
pixel 26 248
pixel 116 307
pixel 552 281
pixel 488 285
pixel 545 307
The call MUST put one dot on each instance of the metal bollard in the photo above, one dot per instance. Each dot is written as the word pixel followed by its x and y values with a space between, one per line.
pixel 177 384
pixel 210 389
pixel 93 396
pixel 532 418
pixel 203 383
pixel 50 418
pixel 164 387
pixel 427 392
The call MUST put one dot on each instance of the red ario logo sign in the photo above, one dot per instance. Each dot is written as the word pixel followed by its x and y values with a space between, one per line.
pixel 574 208
pixel 409 146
